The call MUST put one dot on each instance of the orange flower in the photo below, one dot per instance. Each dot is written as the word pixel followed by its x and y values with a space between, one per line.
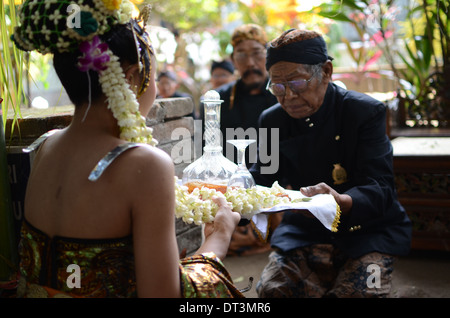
pixel 112 4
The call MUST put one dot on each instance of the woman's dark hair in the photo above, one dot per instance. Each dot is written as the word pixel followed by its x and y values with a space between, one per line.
pixel 121 42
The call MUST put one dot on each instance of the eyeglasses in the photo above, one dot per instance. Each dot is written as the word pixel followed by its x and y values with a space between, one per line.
pixel 255 55
pixel 297 86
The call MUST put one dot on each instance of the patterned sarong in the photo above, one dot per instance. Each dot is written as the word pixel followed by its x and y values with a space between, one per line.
pixel 321 270
pixel 204 276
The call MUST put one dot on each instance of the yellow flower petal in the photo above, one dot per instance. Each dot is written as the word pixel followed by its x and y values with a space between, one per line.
pixel 112 4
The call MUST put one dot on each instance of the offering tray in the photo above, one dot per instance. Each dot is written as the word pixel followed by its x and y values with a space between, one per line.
pixel 194 204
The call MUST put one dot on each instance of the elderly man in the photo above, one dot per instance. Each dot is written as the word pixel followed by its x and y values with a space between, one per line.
pixel 331 141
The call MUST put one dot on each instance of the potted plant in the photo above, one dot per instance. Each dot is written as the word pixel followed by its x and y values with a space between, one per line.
pixel 417 50
pixel 427 99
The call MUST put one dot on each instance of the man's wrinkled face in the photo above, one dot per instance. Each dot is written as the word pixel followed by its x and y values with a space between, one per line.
pixel 249 58
pixel 304 91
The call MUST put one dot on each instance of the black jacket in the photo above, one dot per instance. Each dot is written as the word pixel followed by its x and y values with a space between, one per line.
pixel 350 129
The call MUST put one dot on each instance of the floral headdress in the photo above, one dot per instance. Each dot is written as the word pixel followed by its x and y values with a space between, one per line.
pixel 58 26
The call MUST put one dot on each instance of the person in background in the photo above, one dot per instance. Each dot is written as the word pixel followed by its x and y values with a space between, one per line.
pixel 246 98
pixel 221 73
pixel 331 141
pixel 168 85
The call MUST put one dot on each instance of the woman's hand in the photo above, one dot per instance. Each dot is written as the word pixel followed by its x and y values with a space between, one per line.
pixel 218 233
pixel 225 220
pixel 344 201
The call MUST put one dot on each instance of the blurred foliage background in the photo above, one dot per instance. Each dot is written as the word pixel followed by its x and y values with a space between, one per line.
pixel 398 48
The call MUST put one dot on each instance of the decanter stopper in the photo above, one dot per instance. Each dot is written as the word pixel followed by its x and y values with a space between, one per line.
pixel 212 103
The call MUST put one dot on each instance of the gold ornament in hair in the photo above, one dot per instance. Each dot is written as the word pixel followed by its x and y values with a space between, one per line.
pixel 144 15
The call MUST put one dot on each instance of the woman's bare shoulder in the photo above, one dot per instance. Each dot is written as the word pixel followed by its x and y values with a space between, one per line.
pixel 150 157
pixel 148 166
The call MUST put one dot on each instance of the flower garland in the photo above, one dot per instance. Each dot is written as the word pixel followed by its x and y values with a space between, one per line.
pixel 197 206
pixel 123 104
pixel 121 99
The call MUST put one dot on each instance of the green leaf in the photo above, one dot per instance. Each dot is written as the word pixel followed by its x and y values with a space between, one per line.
pixel 412 69
pixel 335 15
pixel 355 4
pixel 349 48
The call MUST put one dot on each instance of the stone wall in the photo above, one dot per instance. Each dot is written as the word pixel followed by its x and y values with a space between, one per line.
pixel 164 117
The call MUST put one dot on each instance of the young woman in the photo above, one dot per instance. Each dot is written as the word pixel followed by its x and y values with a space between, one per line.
pixel 97 197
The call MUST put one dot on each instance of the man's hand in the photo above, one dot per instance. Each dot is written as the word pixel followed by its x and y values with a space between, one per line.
pixel 344 200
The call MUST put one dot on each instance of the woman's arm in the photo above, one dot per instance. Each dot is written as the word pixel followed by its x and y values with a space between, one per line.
pixel 153 225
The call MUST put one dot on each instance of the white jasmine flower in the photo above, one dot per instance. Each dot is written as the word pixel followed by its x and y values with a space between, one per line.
pixel 197 207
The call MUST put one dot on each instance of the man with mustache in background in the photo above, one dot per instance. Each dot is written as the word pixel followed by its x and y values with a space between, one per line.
pixel 244 100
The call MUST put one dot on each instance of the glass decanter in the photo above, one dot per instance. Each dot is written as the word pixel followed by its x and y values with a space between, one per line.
pixel 212 169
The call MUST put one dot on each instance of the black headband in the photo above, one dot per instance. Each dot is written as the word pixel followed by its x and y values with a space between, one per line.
pixel 309 51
